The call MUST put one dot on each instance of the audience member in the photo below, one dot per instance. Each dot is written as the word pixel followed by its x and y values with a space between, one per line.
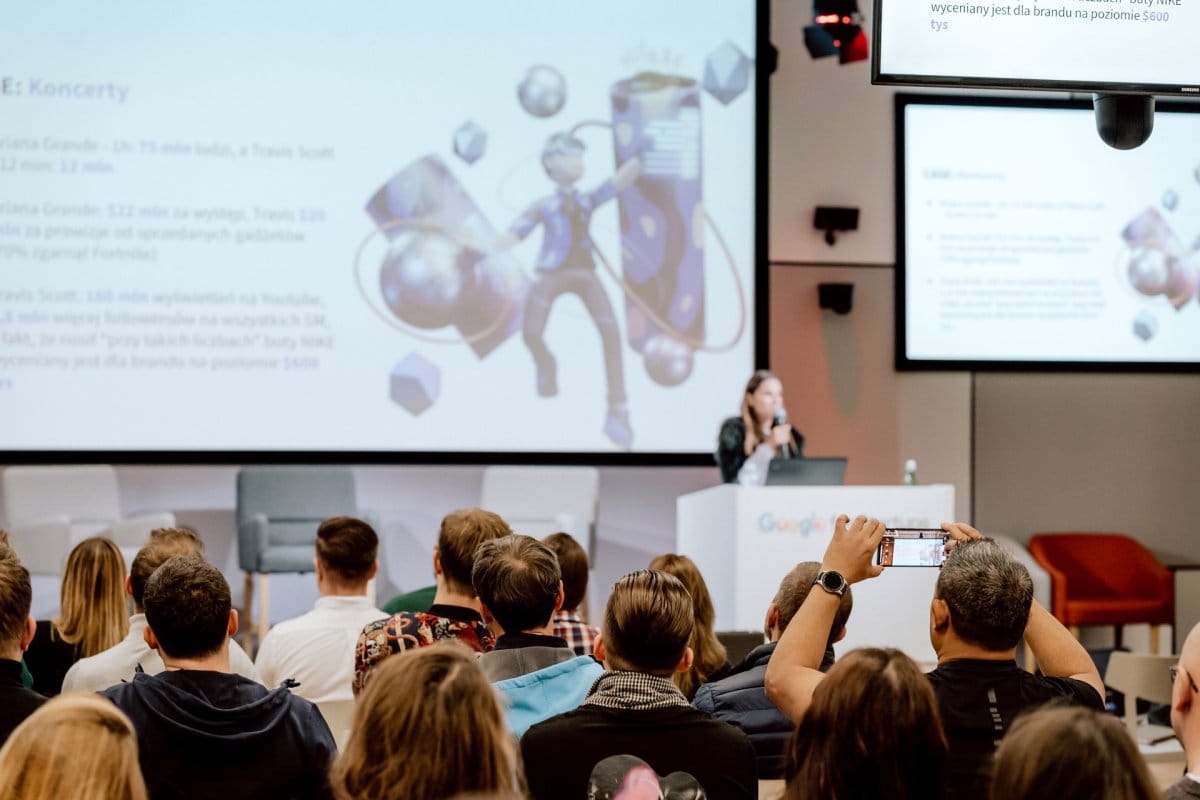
pixel 77 746
pixel 982 605
pixel 517 579
pixel 1185 715
pixel 635 709
pixel 428 725
pixel 568 621
pixel 16 632
pixel 132 655
pixel 741 699
pixel 1070 753
pixel 455 610
pixel 92 616
pixel 871 731
pixel 204 732
pixel 709 662
pixel 316 650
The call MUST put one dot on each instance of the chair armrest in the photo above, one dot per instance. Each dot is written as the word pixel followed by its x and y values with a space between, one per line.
pixel 42 545
pixel 135 531
pixel 252 541
pixel 1058 587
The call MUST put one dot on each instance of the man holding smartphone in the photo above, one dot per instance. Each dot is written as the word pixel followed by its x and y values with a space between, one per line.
pixel 982 607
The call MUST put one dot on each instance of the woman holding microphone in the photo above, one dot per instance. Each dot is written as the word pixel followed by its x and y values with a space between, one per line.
pixel 747 444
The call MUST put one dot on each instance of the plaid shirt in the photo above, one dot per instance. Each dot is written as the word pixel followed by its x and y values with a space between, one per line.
pixel 579 635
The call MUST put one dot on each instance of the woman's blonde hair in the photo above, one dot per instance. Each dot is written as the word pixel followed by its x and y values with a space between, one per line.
pixel 1069 753
pixel 93 616
pixel 428 725
pixel 708 654
pixel 78 745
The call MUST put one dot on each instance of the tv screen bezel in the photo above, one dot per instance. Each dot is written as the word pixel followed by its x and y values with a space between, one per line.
pixel 903 362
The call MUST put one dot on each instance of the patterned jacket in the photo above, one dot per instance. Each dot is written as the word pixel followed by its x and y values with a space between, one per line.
pixel 409 629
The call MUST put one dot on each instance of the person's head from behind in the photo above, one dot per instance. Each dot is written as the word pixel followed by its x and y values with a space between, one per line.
pixel 982 598
pixel 872 731
pixel 1185 694
pixel 792 590
pixel 708 652
pixel 763 398
pixel 433 700
pixel 79 746
pixel 16 597
pixel 1070 753
pixel 188 609
pixel 93 615
pixel 647 626
pixel 459 538
pixel 164 544
pixel 573 563
pixel 562 158
pixel 518 582
pixel 346 551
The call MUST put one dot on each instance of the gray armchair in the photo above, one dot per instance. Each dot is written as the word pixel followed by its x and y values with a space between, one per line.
pixel 278 512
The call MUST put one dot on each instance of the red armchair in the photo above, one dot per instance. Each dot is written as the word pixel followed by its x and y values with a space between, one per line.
pixel 1105 579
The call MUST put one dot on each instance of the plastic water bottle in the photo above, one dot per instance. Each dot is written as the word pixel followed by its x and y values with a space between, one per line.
pixel 910 472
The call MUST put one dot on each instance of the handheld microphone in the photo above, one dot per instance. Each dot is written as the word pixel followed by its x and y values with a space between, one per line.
pixel 785 449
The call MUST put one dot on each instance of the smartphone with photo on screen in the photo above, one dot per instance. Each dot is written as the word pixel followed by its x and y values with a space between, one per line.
pixel 912 547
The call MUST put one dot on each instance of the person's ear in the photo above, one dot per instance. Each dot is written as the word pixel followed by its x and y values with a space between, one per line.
pixel 685 662
pixel 772 622
pixel 485 613
pixel 939 615
pixel 437 561
pixel 598 651
pixel 558 600
pixel 373 571
pixel 29 632
pixel 233 622
pixel 150 638
pixel 129 585
pixel 841 635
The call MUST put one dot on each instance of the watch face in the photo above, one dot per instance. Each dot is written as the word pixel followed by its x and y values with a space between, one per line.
pixel 833 581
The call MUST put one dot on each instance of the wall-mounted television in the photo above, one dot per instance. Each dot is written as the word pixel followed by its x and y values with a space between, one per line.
pixel 1140 46
pixel 1023 242
pixel 378 231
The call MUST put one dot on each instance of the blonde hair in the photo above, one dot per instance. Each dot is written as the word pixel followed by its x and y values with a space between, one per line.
pixel 1069 753
pixel 78 745
pixel 434 700
pixel 93 616
pixel 708 654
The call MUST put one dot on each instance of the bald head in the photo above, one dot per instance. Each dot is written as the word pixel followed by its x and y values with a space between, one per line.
pixel 1185 694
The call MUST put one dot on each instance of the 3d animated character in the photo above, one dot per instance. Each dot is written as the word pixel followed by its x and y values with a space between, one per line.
pixel 565 264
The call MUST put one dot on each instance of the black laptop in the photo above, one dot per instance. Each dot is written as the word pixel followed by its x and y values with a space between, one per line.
pixel 806 472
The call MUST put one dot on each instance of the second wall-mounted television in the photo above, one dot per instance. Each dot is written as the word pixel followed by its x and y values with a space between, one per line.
pixel 1069 45
pixel 1024 242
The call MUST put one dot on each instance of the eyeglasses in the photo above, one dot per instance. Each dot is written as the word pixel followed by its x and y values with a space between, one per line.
pixel 1175 671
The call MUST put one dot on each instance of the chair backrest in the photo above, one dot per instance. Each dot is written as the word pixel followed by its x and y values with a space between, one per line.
pixel 538 501
pixel 84 492
pixel 738 644
pixel 1137 675
pixel 339 716
pixel 295 493
pixel 1101 564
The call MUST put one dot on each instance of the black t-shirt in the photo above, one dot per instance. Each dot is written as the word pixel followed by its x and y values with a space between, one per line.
pixel 979 700
pixel 16 702
pixel 560 753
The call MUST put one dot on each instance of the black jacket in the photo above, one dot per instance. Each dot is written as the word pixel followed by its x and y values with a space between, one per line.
pixel 16 702
pixel 217 735
pixel 741 700
pixel 731 448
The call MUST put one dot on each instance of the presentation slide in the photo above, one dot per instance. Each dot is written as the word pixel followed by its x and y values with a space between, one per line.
pixel 1149 44
pixel 1027 239
pixel 375 227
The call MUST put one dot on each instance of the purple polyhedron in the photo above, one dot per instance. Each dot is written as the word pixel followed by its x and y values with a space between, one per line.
pixel 414 383
pixel 726 73
pixel 470 141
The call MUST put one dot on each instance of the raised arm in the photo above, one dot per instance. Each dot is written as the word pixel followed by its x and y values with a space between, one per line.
pixel 1058 653
pixel 794 669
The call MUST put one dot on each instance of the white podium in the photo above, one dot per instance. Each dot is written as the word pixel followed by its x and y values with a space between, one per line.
pixel 745 539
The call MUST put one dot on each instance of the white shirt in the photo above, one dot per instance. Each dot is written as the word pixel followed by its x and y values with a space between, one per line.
pixel 119 662
pixel 317 649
